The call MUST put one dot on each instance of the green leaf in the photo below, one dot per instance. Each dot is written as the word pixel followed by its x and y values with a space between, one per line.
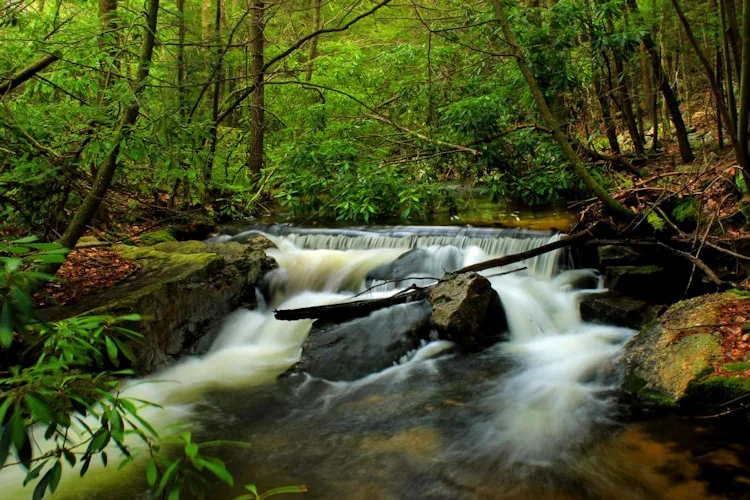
pixel 174 494
pixel 112 351
pixel 218 469
pixel 70 457
pixel 191 450
pixel 50 258
pixel 6 326
pixel 283 490
pixel 56 474
pixel 38 409
pixel 152 473
pixel 5 440
pixel 41 486
pixel 125 350
pixel 167 476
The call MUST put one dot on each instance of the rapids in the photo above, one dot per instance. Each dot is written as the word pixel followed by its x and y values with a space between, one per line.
pixel 519 420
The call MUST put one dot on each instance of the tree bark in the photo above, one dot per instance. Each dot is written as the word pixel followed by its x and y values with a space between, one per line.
pixel 579 168
pixel 314 42
pixel 728 79
pixel 214 130
pixel 104 177
pixel 28 72
pixel 257 70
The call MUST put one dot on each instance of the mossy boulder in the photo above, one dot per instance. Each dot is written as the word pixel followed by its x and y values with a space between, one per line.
pixel 686 357
pixel 182 290
pixel 613 308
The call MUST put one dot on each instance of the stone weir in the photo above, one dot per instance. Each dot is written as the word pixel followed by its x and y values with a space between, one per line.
pixel 182 290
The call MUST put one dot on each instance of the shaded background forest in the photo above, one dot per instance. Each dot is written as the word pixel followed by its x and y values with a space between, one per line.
pixel 348 110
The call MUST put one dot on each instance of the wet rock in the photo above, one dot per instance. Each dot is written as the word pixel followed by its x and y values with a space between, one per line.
pixel 467 310
pixel 680 358
pixel 642 282
pixel 353 350
pixel 254 239
pixel 182 290
pixel 616 255
pixel 614 308
pixel 419 261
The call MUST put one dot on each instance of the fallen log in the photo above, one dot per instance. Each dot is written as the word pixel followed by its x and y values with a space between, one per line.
pixel 346 311
pixel 512 259
pixel 350 310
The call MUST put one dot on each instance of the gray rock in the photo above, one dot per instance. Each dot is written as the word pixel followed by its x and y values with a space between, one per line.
pixel 467 310
pixel 614 308
pixel 353 350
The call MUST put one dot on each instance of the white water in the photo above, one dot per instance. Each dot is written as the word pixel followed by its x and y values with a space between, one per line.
pixel 549 403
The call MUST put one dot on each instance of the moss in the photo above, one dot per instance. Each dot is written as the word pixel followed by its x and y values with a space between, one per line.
pixel 715 390
pixel 745 294
pixel 736 367
pixel 159 236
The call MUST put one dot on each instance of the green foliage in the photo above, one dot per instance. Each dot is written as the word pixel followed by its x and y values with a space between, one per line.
pixel 686 210
pixel 655 221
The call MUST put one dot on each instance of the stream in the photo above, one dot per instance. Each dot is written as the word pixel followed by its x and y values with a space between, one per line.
pixel 536 416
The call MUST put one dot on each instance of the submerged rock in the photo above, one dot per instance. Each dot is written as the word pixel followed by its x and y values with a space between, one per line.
pixel 467 310
pixel 181 290
pixel 692 356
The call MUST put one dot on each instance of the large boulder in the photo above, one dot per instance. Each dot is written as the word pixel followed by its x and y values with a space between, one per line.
pixel 695 355
pixel 182 290
pixel 467 310
pixel 358 348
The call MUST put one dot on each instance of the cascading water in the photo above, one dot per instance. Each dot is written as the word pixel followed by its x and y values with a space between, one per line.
pixel 538 399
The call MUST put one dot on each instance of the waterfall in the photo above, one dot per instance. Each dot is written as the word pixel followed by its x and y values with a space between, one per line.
pixel 553 396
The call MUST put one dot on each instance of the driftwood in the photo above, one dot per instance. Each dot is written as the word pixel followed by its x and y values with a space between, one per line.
pixel 350 310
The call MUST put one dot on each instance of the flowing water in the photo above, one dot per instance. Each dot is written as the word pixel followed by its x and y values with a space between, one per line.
pixel 536 416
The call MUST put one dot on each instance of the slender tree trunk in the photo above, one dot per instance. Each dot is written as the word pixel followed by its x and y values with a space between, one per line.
pixel 740 149
pixel 609 124
pixel 257 116
pixel 181 31
pixel 104 177
pixel 626 104
pixel 314 42
pixel 733 33
pixel 742 119
pixel 214 130
pixel 670 98
pixel 616 207
pixel 728 74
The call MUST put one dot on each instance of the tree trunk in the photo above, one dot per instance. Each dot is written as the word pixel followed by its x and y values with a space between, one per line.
pixel 740 150
pixel 314 42
pixel 728 79
pixel 181 31
pixel 214 130
pixel 616 207
pixel 104 177
pixel 609 124
pixel 670 98
pixel 257 116
pixel 742 118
